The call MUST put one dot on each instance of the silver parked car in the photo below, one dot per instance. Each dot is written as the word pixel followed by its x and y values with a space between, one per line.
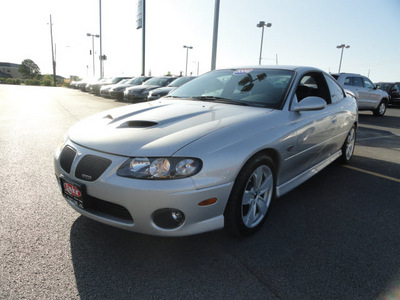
pixel 213 153
pixel 368 96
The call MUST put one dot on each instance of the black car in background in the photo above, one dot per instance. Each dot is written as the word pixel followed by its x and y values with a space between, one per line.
pixel 140 93
pixel 117 92
pixel 393 89
pixel 162 91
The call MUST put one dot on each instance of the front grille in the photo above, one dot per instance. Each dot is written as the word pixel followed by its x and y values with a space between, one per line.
pixel 66 158
pixel 100 207
pixel 91 167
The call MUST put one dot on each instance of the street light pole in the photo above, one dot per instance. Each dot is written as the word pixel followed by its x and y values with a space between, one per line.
pixel 187 54
pixel 342 46
pixel 93 36
pixel 215 36
pixel 262 24
pixel 101 44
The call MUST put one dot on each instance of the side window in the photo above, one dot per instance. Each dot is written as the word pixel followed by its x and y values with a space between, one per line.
pixel 357 81
pixel 336 91
pixel 396 88
pixel 368 83
pixel 348 81
pixel 313 84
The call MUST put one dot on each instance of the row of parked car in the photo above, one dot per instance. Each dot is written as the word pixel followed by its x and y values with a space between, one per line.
pixel 370 96
pixel 132 89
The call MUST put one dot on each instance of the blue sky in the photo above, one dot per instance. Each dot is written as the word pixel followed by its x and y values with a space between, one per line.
pixel 303 32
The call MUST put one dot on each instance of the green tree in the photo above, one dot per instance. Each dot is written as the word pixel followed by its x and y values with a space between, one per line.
pixel 29 69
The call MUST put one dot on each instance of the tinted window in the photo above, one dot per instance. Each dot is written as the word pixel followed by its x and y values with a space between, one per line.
pixel 335 90
pixel 357 81
pixel 385 86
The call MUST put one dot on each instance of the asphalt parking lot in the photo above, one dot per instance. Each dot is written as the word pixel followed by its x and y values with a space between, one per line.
pixel 334 237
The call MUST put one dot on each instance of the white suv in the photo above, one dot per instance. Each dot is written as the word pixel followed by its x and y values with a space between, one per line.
pixel 367 95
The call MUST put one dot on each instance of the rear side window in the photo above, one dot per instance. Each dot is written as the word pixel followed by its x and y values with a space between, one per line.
pixel 357 81
pixel 335 90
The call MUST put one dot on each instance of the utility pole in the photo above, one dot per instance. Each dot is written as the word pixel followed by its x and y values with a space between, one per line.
pixel 52 53
pixel 101 45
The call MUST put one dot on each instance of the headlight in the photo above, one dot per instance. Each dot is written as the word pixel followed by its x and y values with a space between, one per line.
pixel 159 167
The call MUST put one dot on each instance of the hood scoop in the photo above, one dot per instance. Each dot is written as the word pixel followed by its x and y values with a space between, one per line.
pixel 138 124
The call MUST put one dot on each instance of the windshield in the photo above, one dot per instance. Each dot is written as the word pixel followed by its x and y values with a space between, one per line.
pixel 385 86
pixel 178 82
pixel 159 81
pixel 123 81
pixel 137 80
pixel 254 87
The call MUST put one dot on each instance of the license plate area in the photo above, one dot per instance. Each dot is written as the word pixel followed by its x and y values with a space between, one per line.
pixel 73 191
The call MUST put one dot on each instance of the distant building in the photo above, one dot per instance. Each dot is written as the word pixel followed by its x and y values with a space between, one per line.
pixel 9 70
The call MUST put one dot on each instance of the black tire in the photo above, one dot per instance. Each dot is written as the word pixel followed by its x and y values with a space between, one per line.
pixel 348 146
pixel 381 109
pixel 250 199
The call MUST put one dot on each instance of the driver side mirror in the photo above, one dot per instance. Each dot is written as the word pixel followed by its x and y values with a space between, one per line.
pixel 309 104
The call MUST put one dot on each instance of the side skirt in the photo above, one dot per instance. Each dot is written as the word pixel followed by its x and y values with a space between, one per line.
pixel 296 181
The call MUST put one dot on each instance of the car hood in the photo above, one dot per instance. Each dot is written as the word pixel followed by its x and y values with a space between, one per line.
pixel 157 128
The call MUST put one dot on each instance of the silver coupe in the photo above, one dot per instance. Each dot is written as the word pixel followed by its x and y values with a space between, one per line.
pixel 214 153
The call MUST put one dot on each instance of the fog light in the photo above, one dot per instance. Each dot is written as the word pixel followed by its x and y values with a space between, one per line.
pixel 168 218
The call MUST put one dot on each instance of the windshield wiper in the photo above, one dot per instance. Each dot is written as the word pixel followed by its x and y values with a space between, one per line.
pixel 176 97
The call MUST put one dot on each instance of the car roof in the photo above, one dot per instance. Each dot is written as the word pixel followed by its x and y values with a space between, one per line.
pixel 344 73
pixel 277 67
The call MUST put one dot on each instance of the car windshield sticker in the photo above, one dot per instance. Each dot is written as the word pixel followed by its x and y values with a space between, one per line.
pixel 241 72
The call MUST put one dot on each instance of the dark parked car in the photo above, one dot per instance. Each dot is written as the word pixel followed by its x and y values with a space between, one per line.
pixel 105 89
pixel 95 88
pixel 160 92
pixel 393 89
pixel 118 91
pixel 140 93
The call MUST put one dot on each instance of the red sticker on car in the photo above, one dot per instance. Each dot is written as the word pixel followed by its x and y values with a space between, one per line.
pixel 73 191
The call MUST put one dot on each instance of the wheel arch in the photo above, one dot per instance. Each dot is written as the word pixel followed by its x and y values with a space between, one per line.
pixel 272 153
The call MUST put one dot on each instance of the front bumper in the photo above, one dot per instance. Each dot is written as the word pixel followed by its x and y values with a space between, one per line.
pixel 135 98
pixel 119 95
pixel 131 203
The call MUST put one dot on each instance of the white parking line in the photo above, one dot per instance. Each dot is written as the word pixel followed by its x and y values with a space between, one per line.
pixel 374 138
pixel 373 173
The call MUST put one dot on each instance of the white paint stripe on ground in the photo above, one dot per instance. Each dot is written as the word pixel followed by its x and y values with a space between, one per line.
pixel 373 173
